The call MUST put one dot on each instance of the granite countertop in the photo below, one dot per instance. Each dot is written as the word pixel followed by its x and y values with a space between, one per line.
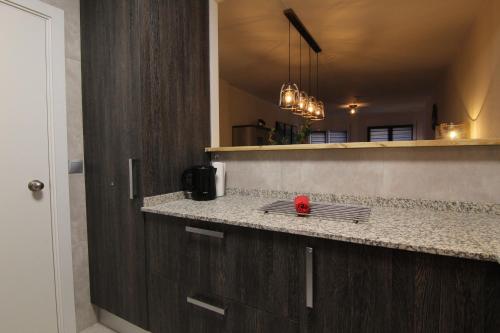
pixel 470 234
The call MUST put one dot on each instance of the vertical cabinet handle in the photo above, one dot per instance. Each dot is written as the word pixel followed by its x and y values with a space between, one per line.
pixel 132 179
pixel 309 277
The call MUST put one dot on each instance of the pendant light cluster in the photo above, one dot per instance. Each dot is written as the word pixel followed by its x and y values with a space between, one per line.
pixel 289 95
pixel 293 97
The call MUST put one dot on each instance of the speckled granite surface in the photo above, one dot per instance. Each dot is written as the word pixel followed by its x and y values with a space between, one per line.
pixel 163 198
pixel 470 235
pixel 456 206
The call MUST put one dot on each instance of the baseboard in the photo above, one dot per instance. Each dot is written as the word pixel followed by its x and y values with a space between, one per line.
pixel 118 324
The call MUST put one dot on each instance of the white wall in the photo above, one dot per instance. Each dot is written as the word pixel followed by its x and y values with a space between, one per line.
pixel 85 314
pixel 471 91
pixel 238 107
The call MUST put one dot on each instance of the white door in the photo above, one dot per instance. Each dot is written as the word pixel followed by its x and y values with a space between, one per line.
pixel 27 280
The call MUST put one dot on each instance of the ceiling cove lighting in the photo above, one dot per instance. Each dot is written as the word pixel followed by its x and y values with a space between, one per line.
pixel 289 94
pixel 291 97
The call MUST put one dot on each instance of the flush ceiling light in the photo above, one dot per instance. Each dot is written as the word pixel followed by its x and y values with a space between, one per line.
pixel 353 108
pixel 289 94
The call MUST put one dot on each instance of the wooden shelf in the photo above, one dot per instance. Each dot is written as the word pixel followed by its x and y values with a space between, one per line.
pixel 362 145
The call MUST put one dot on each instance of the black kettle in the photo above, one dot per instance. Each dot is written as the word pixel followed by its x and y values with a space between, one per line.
pixel 199 181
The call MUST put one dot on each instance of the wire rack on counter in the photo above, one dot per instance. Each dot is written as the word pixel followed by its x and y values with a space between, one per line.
pixel 355 214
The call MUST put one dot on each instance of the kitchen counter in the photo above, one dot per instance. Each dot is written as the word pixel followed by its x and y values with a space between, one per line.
pixel 461 232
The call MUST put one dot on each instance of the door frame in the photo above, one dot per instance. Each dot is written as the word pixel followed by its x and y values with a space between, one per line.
pixel 58 158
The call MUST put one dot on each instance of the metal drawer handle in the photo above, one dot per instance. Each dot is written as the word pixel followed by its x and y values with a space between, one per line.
pixel 309 277
pixel 205 232
pixel 206 306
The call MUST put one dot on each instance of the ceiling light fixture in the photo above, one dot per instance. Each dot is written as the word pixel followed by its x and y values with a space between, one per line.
pixel 297 100
pixel 353 109
pixel 289 94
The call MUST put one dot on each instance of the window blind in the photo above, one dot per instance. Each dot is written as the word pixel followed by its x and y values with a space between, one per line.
pixel 390 133
pixel 337 136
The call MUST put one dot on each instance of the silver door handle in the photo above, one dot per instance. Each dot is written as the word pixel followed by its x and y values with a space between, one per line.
pixel 35 186
pixel 205 232
pixel 309 277
pixel 132 178
pixel 206 306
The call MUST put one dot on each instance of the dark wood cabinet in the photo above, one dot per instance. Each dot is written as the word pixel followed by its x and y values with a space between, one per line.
pixel 252 274
pixel 260 279
pixel 360 288
pixel 351 288
pixel 145 81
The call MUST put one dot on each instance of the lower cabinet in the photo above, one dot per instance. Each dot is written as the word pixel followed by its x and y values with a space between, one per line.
pixel 206 277
pixel 197 270
pixel 361 288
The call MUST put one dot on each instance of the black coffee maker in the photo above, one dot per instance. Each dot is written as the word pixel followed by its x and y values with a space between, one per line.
pixel 199 182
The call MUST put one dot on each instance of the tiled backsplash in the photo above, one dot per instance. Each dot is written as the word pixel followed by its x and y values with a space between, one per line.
pixel 442 173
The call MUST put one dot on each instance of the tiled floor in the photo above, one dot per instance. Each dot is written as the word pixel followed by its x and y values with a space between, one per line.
pixel 97 328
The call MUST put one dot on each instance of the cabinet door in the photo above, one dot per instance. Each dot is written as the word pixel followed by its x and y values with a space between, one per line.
pixel 261 270
pixel 111 115
pixel 246 319
pixel 175 100
pixel 357 288
pixel 351 288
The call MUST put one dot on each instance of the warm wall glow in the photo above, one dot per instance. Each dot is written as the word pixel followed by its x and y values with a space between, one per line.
pixel 472 89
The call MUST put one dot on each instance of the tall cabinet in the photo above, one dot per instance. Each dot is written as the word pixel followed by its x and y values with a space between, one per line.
pixel 146 117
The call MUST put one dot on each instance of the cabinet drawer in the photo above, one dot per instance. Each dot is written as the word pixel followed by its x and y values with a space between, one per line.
pixel 251 267
pixel 173 309
pixel 184 250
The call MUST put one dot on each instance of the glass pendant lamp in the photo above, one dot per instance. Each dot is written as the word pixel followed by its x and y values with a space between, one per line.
pixel 311 107
pixel 289 94
pixel 319 114
pixel 302 102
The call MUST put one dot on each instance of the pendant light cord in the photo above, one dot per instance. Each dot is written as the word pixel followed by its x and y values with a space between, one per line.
pixel 300 63
pixel 289 68
pixel 317 76
pixel 309 69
